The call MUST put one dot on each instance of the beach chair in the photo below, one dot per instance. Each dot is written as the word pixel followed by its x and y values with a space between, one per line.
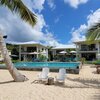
pixel 61 76
pixel 43 76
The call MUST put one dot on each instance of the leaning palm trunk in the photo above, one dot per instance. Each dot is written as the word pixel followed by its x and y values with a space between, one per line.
pixel 18 77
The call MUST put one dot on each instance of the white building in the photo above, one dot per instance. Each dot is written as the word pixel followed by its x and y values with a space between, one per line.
pixel 62 50
pixel 88 51
pixel 30 50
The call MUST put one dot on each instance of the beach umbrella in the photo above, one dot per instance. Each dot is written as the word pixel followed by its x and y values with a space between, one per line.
pixel 72 51
pixel 34 53
pixel 13 55
pixel 63 52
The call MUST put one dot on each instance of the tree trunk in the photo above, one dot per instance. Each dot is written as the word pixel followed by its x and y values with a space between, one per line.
pixel 18 77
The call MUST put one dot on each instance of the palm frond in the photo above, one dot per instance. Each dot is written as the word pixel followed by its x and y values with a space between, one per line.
pixel 93 34
pixel 18 6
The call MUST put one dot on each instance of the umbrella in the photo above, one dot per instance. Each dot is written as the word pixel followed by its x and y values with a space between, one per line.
pixel 34 52
pixel 14 55
pixel 72 51
pixel 63 52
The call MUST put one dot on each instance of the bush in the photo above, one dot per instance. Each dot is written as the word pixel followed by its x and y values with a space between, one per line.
pixel 42 58
pixel 15 61
pixel 97 62
pixel 83 60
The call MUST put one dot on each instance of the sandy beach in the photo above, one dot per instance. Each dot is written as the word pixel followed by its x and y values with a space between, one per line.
pixel 83 86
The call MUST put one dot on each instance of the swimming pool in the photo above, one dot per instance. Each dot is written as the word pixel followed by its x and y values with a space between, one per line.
pixel 67 65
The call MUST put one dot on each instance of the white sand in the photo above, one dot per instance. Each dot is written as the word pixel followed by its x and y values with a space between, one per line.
pixel 85 86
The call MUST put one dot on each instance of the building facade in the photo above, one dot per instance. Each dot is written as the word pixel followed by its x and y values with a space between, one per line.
pixel 31 50
pixel 88 51
pixel 62 51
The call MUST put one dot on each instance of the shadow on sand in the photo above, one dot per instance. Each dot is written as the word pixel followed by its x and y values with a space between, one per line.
pixel 95 97
pixel 85 83
pixel 6 82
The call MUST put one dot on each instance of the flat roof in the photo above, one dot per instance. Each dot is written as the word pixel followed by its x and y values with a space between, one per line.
pixel 69 46
pixel 79 41
pixel 25 43
pixel 96 41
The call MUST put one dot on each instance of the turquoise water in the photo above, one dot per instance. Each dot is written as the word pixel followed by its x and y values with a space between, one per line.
pixel 47 64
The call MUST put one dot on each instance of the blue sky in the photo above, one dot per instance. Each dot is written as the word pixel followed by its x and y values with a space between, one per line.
pixel 60 22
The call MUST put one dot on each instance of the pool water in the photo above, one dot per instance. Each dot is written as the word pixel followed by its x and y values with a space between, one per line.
pixel 67 65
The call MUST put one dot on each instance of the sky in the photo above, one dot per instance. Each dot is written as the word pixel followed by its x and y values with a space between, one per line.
pixel 59 22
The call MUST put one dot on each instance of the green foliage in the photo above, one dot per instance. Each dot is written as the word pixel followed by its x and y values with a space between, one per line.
pixel 83 60
pixel 42 58
pixel 11 47
pixel 96 62
pixel 1 62
pixel 56 57
pixel 19 7
pixel 93 34
pixel 15 61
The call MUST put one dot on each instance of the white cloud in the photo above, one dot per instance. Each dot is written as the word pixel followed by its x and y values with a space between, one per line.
pixel 75 3
pixel 38 5
pixel 93 18
pixel 51 4
pixel 79 34
pixel 20 31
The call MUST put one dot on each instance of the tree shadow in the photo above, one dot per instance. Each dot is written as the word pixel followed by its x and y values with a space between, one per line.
pixel 6 82
pixel 94 72
pixel 95 97
pixel 85 83
pixel 93 66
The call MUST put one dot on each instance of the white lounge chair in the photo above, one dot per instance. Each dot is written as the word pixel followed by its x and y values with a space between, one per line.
pixel 61 75
pixel 43 76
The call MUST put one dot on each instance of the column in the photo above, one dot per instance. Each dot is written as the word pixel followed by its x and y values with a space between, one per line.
pixel 20 52
pixel 37 49
pixel 76 51
pixel 25 55
pixel 47 53
pixel 53 53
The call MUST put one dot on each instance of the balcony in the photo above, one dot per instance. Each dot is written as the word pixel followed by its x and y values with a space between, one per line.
pixel 88 50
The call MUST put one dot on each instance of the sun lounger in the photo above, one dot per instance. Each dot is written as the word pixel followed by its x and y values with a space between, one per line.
pixel 43 76
pixel 61 75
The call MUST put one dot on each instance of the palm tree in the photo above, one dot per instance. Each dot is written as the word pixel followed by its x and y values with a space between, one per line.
pixel 93 33
pixel 18 7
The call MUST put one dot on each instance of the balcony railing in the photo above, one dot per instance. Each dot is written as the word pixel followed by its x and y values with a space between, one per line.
pixel 94 49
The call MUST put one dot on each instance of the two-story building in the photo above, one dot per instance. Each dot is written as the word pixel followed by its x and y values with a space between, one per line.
pixel 30 50
pixel 88 51
pixel 64 50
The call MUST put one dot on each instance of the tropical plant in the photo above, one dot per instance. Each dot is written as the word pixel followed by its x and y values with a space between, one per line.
pixel 93 34
pixel 18 7
pixel 42 58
